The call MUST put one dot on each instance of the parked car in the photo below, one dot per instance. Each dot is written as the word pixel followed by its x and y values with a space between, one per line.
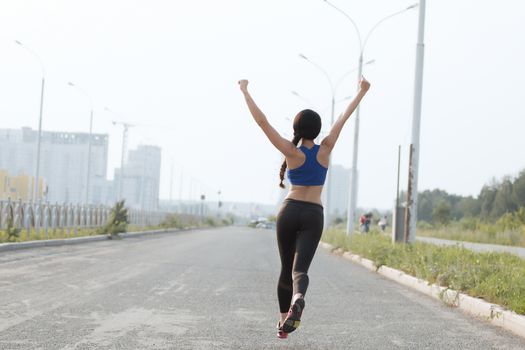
pixel 267 225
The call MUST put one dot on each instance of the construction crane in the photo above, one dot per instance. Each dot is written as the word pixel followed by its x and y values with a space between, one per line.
pixel 125 126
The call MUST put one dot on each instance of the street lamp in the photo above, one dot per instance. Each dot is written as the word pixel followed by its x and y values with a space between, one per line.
pixel 36 185
pixel 362 45
pixel 410 230
pixel 333 88
pixel 304 99
pixel 89 140
pixel 307 101
pixel 219 203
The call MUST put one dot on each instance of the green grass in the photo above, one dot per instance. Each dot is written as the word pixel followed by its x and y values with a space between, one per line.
pixel 52 234
pixel 64 233
pixel 60 234
pixel 495 277
pixel 507 230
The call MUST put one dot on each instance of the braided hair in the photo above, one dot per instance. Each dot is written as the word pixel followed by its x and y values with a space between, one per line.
pixel 306 125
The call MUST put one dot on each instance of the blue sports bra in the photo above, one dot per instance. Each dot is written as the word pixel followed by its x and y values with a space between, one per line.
pixel 311 173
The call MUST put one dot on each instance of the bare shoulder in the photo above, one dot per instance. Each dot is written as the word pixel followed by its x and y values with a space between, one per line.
pixel 295 159
pixel 323 155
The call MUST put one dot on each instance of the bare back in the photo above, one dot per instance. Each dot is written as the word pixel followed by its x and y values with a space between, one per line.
pixel 307 193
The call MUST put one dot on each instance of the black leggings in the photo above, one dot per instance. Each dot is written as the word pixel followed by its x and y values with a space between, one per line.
pixel 299 229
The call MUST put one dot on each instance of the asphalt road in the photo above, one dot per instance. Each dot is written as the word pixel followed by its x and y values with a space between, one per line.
pixel 213 289
pixel 477 247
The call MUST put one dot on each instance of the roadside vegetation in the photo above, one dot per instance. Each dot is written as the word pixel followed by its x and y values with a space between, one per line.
pixel 508 230
pixel 495 277
pixel 496 215
pixel 118 222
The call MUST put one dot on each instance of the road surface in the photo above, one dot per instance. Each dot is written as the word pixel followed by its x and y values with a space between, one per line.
pixel 477 247
pixel 213 289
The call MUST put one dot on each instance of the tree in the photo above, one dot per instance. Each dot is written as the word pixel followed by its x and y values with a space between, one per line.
pixel 518 190
pixel 442 213
pixel 118 220
pixel 424 206
pixel 469 207
pixel 486 199
pixel 503 201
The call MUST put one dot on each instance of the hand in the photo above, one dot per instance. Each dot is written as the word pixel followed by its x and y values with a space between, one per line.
pixel 364 84
pixel 243 84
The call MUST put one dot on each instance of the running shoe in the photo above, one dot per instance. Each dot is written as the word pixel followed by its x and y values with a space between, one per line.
pixel 293 320
pixel 280 333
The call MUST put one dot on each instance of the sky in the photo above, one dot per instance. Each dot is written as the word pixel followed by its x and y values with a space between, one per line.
pixel 171 68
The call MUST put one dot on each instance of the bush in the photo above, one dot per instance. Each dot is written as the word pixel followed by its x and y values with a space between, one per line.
pixel 210 222
pixel 13 233
pixel 172 221
pixel 470 223
pixel 424 225
pixel 442 213
pixel 117 222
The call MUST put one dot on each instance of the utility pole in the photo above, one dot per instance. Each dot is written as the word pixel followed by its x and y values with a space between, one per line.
pixel 219 203
pixel 396 223
pixel 416 126
pixel 352 200
pixel 37 172
pixel 35 192
pixel 171 184
pixel 88 171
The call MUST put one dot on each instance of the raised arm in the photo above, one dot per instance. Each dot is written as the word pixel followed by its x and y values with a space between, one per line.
pixel 330 140
pixel 286 147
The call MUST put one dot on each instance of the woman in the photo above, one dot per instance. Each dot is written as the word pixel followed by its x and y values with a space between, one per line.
pixel 300 220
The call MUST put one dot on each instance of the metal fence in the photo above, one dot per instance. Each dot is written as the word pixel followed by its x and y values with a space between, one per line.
pixel 43 217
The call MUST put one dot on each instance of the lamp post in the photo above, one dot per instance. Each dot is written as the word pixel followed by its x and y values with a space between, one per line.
pixel 362 45
pixel 89 140
pixel 219 203
pixel 410 236
pixel 333 89
pixel 36 184
pixel 304 99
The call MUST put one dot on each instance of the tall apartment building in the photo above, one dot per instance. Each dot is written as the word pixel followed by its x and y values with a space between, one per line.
pixel 141 179
pixel 63 162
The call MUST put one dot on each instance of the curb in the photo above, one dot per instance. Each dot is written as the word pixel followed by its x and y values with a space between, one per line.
pixel 78 240
pixel 493 313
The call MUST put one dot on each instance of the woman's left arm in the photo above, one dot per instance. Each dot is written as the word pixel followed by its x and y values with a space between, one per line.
pixel 284 146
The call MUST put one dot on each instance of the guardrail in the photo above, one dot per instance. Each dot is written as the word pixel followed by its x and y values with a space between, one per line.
pixel 43 216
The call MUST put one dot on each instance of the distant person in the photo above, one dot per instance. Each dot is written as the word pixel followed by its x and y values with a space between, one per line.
pixel 382 223
pixel 362 222
pixel 300 220
pixel 368 221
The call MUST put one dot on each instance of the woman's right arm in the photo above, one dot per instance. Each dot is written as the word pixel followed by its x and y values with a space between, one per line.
pixel 330 140
pixel 286 147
